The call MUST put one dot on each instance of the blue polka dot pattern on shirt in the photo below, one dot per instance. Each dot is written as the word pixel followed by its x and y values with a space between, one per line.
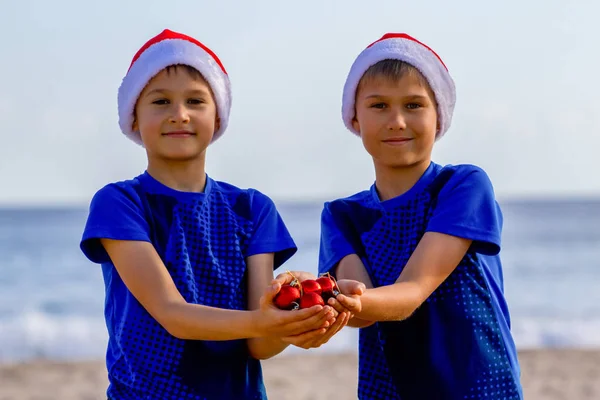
pixel 203 240
pixel 452 347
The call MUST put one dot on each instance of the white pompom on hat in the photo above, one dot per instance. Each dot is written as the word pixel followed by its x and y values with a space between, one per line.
pixel 166 49
pixel 400 46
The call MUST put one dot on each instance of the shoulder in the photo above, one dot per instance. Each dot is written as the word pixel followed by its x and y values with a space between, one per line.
pixel 246 202
pixel 249 195
pixel 352 215
pixel 466 177
pixel 126 191
pixel 468 173
pixel 348 204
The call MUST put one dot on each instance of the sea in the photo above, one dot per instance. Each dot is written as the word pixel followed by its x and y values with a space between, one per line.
pixel 52 297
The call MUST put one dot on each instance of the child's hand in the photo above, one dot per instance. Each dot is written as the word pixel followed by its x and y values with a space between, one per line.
pixel 349 298
pixel 350 291
pixel 346 304
pixel 319 337
pixel 343 310
pixel 272 321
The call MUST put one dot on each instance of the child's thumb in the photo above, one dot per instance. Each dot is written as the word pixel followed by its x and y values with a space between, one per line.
pixel 272 291
pixel 361 288
pixel 358 289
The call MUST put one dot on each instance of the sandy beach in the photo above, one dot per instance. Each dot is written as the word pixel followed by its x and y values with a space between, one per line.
pixel 546 375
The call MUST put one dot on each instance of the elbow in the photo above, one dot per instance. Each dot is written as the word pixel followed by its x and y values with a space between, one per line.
pixel 359 323
pixel 404 314
pixel 175 330
pixel 409 308
pixel 256 351
pixel 260 356
pixel 402 307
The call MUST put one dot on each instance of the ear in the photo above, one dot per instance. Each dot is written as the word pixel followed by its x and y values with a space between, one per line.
pixel 355 124
pixel 135 127
pixel 217 123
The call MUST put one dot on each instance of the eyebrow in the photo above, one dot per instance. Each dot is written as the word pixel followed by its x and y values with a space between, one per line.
pixel 410 97
pixel 194 92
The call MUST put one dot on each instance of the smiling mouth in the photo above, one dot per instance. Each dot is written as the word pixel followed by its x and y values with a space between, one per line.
pixel 397 141
pixel 179 134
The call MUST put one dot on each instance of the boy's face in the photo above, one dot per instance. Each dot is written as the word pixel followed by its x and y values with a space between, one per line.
pixel 397 120
pixel 176 116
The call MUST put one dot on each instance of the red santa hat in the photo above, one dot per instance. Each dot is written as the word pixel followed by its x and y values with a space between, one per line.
pixel 166 49
pixel 400 46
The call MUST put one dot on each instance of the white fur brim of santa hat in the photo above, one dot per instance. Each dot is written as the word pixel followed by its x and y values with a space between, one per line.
pixel 166 49
pixel 400 46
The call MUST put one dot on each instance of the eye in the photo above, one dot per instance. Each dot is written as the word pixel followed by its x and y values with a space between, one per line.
pixel 195 101
pixel 160 102
pixel 378 105
pixel 413 106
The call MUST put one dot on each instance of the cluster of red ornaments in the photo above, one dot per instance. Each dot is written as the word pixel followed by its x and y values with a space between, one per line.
pixel 308 293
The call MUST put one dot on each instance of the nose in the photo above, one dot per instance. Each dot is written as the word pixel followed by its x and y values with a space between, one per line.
pixel 397 121
pixel 179 114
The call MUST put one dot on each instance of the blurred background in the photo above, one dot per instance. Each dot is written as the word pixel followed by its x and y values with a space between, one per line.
pixel 527 112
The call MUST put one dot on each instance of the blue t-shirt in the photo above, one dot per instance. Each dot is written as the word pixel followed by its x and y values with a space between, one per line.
pixel 458 344
pixel 203 240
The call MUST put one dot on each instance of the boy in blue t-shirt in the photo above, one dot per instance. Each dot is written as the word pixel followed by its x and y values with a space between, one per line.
pixel 424 239
pixel 184 257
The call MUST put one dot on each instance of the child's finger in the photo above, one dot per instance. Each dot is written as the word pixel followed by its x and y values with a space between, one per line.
pixel 329 333
pixel 335 311
pixel 270 293
pixel 321 320
pixel 304 340
pixel 283 279
pixel 351 287
pixel 348 302
pixel 335 328
pixel 289 317
pixel 345 301
pixel 336 305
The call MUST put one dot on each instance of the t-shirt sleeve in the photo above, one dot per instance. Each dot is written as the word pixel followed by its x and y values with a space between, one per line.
pixel 334 245
pixel 270 233
pixel 114 215
pixel 467 208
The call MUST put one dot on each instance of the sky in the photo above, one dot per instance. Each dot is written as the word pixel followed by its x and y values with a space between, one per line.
pixel 527 111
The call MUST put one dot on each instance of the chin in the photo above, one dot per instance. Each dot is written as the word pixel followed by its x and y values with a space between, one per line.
pixel 180 156
pixel 403 161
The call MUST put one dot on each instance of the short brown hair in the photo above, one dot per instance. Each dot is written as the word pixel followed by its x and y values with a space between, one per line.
pixel 393 70
pixel 194 73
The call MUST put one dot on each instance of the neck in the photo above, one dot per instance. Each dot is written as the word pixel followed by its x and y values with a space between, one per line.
pixel 184 176
pixel 393 182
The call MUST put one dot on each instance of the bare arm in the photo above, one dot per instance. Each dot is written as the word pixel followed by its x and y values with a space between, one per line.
pixel 260 275
pixel 147 278
pixel 352 268
pixel 434 259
